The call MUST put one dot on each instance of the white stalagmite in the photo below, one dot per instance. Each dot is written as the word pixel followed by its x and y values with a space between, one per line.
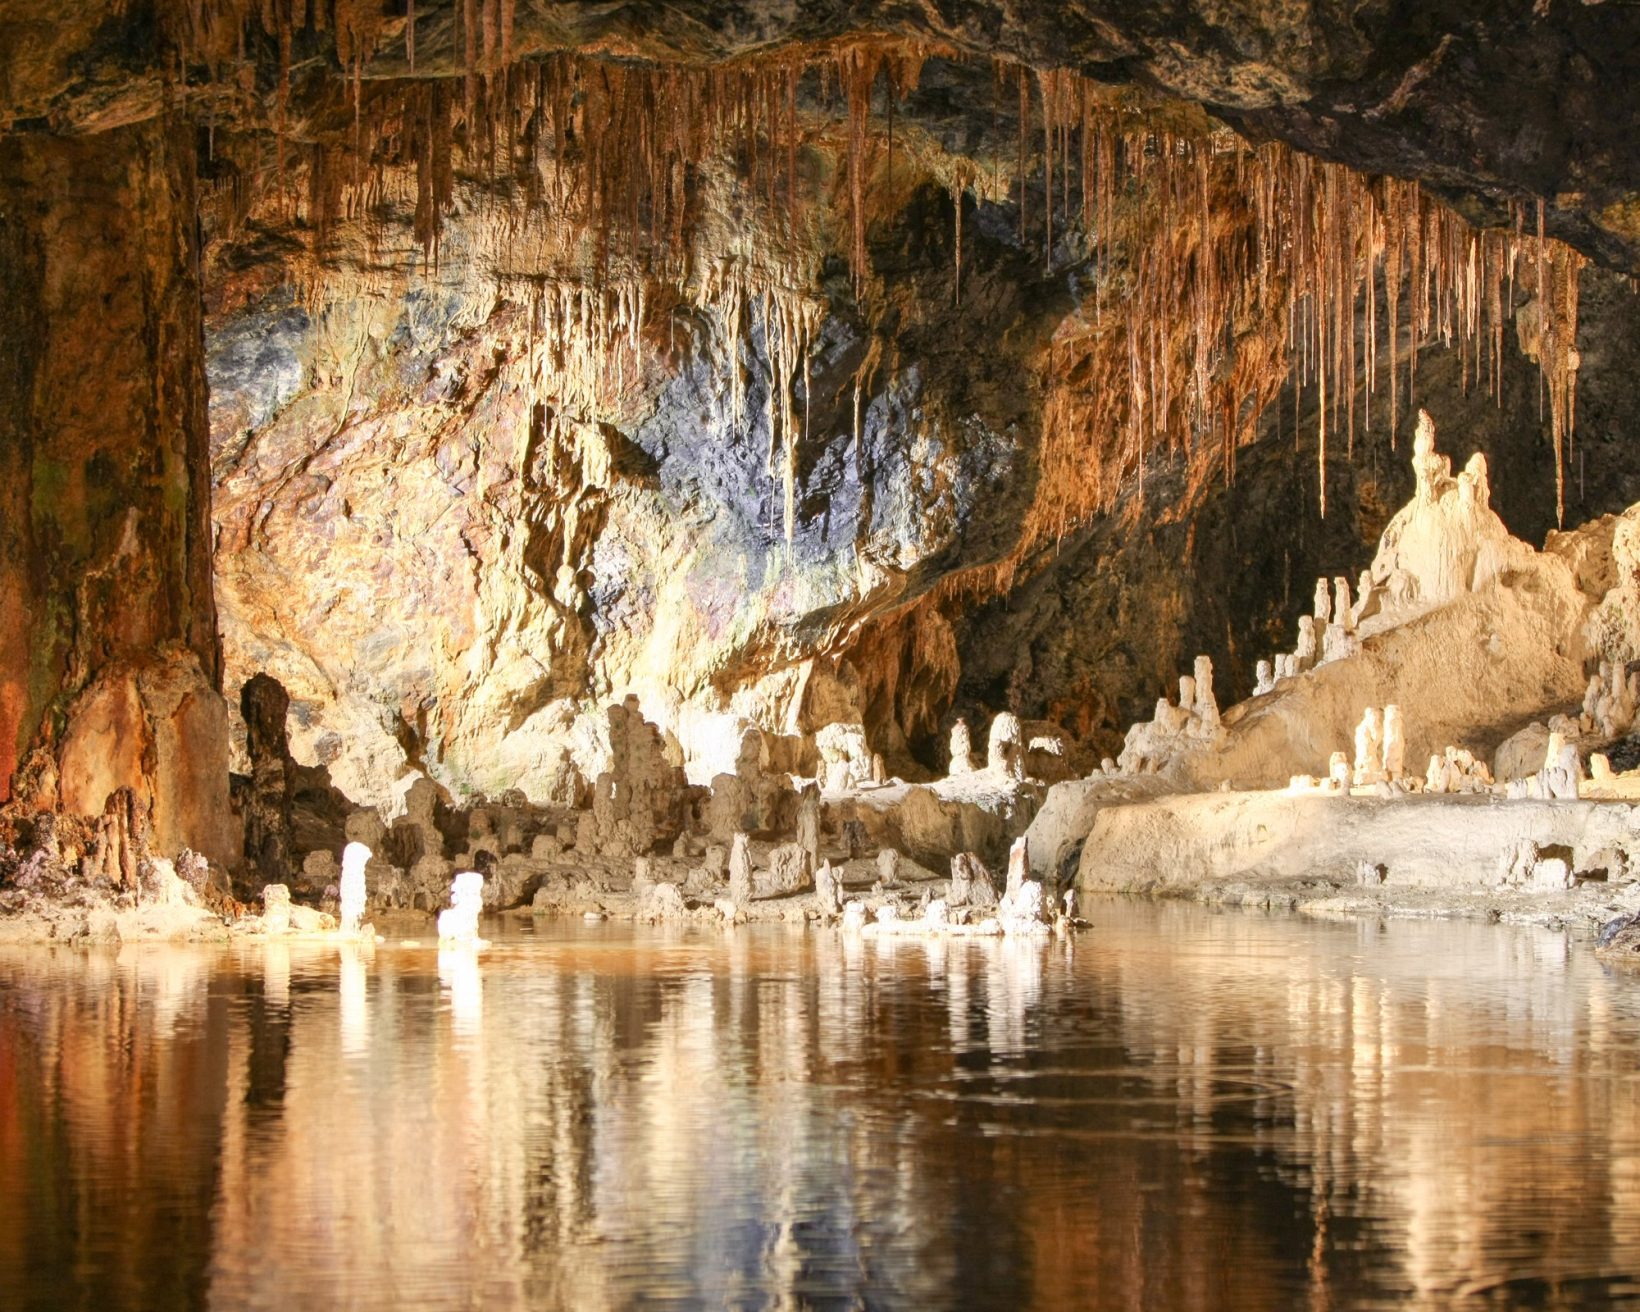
pixel 275 909
pixel 1005 747
pixel 1369 748
pixel 1395 743
pixel 459 924
pixel 355 857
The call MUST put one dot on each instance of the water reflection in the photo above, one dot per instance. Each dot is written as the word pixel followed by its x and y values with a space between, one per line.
pixel 1185 1110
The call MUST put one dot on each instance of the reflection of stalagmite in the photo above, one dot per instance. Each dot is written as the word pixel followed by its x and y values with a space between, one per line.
pixel 354 999
pixel 461 977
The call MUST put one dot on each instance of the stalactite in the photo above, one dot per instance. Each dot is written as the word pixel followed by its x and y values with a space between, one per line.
pixel 858 74
pixel 1219 269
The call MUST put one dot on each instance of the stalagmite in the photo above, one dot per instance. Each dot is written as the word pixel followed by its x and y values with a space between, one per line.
pixel 1343 609
pixel 1019 865
pixel 827 889
pixel 1005 747
pixel 355 856
pixel 275 909
pixel 1395 743
pixel 458 924
pixel 1206 706
pixel 971 884
pixel 1369 748
pixel 740 870
pixel 808 824
pixel 962 752
pixel 1306 653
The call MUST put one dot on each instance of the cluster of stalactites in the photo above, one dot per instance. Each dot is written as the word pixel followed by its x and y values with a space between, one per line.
pixel 1219 268
pixel 1222 270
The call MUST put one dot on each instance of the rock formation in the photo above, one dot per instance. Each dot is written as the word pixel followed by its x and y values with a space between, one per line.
pixel 1191 725
pixel 275 909
pixel 845 757
pixel 638 802
pixel 971 884
pixel 740 871
pixel 1005 747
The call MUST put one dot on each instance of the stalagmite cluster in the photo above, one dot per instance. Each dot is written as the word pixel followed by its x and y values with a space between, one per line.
pixel 1194 723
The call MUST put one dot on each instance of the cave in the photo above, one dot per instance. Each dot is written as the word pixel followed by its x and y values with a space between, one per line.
pixel 1091 549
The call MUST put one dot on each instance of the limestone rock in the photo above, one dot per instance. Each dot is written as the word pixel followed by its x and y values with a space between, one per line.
pixel 845 756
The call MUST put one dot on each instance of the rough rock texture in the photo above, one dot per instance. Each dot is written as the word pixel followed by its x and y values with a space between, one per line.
pixel 265 808
pixel 109 669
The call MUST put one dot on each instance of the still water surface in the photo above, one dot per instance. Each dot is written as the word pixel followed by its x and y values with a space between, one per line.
pixel 1183 1109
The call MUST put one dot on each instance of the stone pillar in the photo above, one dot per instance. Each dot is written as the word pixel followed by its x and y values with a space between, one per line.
pixel 110 671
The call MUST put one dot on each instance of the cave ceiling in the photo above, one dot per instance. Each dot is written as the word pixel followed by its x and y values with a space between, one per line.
pixel 1489 104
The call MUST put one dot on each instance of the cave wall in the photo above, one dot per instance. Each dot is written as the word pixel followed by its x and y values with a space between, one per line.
pixel 109 663
pixel 453 559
